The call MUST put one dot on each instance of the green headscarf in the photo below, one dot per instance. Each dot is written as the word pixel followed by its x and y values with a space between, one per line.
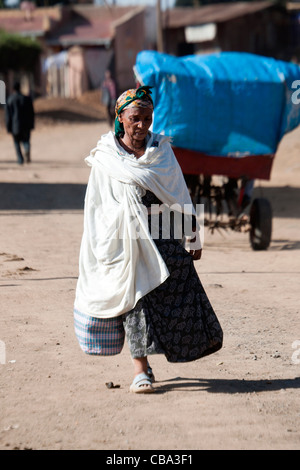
pixel 141 97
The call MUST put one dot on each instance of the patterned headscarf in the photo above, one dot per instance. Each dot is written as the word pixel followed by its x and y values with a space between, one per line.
pixel 133 98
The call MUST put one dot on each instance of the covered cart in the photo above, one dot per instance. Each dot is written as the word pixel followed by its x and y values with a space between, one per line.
pixel 226 114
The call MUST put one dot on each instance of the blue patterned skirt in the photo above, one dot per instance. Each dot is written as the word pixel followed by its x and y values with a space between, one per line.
pixel 99 336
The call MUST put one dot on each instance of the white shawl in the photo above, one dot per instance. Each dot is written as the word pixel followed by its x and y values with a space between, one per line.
pixel 119 262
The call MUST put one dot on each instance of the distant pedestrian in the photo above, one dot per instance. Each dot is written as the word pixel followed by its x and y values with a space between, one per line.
pixel 108 96
pixel 19 116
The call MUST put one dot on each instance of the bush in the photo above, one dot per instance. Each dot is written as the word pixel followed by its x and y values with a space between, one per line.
pixel 18 52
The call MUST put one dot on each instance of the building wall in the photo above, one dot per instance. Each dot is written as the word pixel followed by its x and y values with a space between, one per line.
pixel 259 33
pixel 130 39
pixel 263 33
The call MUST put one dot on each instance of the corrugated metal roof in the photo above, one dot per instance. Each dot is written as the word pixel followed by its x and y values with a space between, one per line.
pixel 217 13
pixel 86 24
pixel 31 24
pixel 89 25
pixel 23 27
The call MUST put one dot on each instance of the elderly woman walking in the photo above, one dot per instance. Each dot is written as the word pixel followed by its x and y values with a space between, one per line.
pixel 136 278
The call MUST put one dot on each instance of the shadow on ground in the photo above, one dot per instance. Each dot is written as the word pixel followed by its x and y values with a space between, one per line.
pixel 67 116
pixel 41 196
pixel 226 386
pixel 284 200
pixel 51 111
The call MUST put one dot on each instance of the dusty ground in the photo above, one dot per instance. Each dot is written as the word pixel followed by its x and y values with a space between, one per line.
pixel 54 397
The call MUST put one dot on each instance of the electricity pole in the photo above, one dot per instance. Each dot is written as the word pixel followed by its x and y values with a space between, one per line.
pixel 159 33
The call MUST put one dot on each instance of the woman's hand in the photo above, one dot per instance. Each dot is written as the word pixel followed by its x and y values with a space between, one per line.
pixel 196 254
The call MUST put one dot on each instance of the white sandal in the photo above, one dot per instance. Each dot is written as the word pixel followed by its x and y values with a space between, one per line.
pixel 141 384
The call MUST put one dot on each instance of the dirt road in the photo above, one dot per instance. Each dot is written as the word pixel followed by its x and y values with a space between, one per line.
pixel 54 397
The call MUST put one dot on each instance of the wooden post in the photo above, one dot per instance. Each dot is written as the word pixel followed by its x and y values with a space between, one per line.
pixel 159 33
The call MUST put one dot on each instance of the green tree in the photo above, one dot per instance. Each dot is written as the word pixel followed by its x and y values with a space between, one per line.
pixel 188 3
pixel 18 52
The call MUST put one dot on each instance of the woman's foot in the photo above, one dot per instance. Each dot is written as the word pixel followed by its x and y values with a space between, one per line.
pixel 143 376
pixel 141 384
pixel 150 373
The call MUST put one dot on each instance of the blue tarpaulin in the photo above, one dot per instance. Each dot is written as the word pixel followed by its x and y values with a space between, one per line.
pixel 223 104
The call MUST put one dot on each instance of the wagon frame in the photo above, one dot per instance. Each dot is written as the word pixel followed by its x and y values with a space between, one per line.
pixel 228 206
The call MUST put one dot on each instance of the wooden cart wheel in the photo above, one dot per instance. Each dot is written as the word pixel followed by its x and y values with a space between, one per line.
pixel 261 224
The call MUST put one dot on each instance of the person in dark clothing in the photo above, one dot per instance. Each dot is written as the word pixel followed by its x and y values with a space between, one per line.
pixel 108 96
pixel 19 117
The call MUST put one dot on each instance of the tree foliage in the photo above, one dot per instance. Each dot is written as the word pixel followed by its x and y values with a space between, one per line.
pixel 18 52
pixel 187 3
pixel 198 3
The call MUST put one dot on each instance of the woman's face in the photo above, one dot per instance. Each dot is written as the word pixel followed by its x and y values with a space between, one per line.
pixel 136 122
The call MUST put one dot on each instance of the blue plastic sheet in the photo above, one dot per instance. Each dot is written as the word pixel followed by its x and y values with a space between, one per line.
pixel 224 104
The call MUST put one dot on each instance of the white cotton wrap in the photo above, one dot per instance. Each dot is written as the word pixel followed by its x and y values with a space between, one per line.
pixel 117 267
